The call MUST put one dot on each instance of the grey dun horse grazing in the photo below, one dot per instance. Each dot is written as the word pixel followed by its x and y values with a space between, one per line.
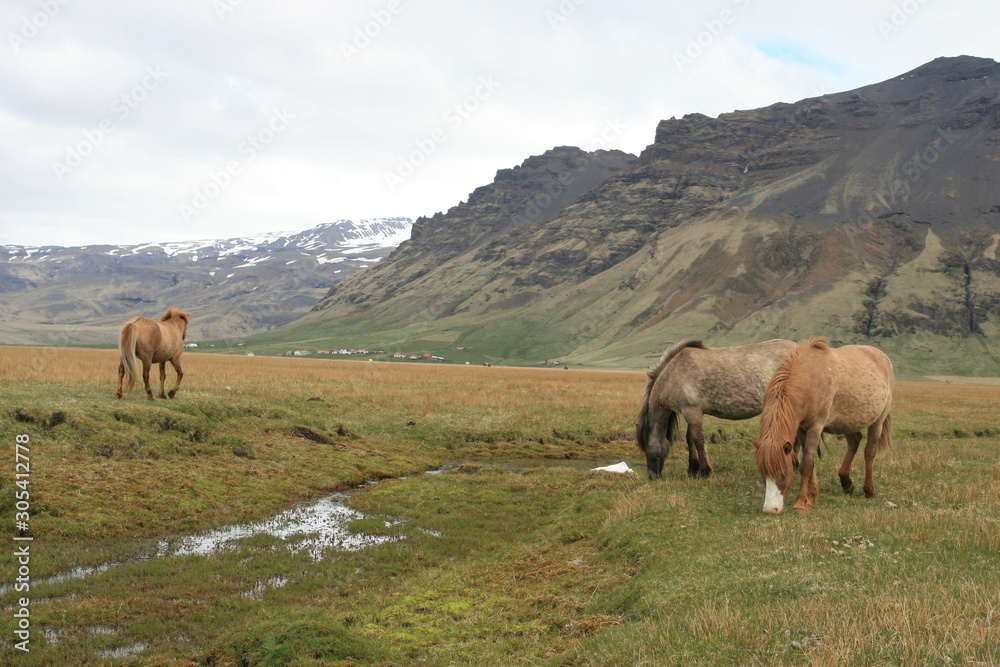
pixel 694 380
pixel 153 343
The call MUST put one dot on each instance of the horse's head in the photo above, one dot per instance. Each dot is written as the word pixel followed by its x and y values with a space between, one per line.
pixel 180 318
pixel 776 465
pixel 651 440
pixel 654 463
pixel 183 319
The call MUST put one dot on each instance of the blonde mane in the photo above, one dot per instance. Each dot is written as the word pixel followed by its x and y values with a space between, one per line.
pixel 175 312
pixel 779 419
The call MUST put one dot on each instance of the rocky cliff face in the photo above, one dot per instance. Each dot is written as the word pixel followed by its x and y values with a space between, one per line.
pixel 872 214
pixel 435 261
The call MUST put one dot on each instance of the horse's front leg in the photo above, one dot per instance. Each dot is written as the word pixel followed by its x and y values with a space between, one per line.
pixel 163 378
pixel 176 363
pixel 698 463
pixel 853 441
pixel 809 489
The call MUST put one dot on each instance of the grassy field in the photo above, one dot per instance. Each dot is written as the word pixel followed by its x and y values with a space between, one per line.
pixel 514 553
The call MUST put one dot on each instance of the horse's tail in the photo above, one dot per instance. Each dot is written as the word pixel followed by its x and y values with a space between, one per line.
pixel 642 421
pixel 126 345
pixel 642 425
pixel 885 437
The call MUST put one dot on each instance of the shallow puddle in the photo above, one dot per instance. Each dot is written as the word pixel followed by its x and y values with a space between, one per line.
pixel 323 521
pixel 257 592
pixel 129 651
pixel 315 527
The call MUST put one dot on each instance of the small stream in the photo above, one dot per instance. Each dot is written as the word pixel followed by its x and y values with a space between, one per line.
pixel 317 526
pixel 321 522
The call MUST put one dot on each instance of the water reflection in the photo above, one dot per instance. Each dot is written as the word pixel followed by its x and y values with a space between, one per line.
pixel 314 527
pixel 322 523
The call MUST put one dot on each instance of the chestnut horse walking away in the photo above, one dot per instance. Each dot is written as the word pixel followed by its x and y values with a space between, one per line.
pixel 694 380
pixel 153 343
pixel 822 389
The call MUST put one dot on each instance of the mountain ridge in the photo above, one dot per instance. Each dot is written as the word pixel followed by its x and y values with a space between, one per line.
pixel 232 287
pixel 867 215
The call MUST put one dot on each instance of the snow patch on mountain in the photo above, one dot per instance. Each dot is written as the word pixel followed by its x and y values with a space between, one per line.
pixel 360 235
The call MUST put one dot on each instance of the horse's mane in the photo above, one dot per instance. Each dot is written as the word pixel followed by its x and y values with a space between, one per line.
pixel 654 373
pixel 641 422
pixel 778 420
pixel 175 312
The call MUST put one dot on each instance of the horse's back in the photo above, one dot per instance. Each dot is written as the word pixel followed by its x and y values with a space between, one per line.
pixel 153 341
pixel 725 382
pixel 863 382
pixel 144 328
pixel 867 366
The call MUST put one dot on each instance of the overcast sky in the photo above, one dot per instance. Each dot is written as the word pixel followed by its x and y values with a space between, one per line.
pixel 128 122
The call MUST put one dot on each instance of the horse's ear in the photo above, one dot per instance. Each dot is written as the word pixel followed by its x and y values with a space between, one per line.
pixel 788 448
pixel 756 445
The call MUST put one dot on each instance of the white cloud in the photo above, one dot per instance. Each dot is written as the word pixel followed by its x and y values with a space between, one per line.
pixel 370 83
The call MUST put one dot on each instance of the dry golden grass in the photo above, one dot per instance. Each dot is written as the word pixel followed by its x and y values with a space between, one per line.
pixel 484 399
pixel 521 393
pixel 960 406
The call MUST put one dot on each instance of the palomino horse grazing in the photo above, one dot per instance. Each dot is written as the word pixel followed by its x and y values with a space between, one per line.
pixel 822 389
pixel 696 380
pixel 153 343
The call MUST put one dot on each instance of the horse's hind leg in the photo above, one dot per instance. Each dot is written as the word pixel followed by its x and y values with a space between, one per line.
pixel 163 378
pixel 176 363
pixel 698 463
pixel 871 446
pixel 146 366
pixel 853 441
pixel 121 379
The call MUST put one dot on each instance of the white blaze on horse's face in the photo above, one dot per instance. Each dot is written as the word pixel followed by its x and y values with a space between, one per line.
pixel 774 497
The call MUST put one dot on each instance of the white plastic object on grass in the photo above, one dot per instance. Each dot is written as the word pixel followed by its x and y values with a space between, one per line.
pixel 618 467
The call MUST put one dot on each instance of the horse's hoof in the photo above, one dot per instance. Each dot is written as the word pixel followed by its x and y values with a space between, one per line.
pixel 171 393
pixel 869 493
pixel 800 509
